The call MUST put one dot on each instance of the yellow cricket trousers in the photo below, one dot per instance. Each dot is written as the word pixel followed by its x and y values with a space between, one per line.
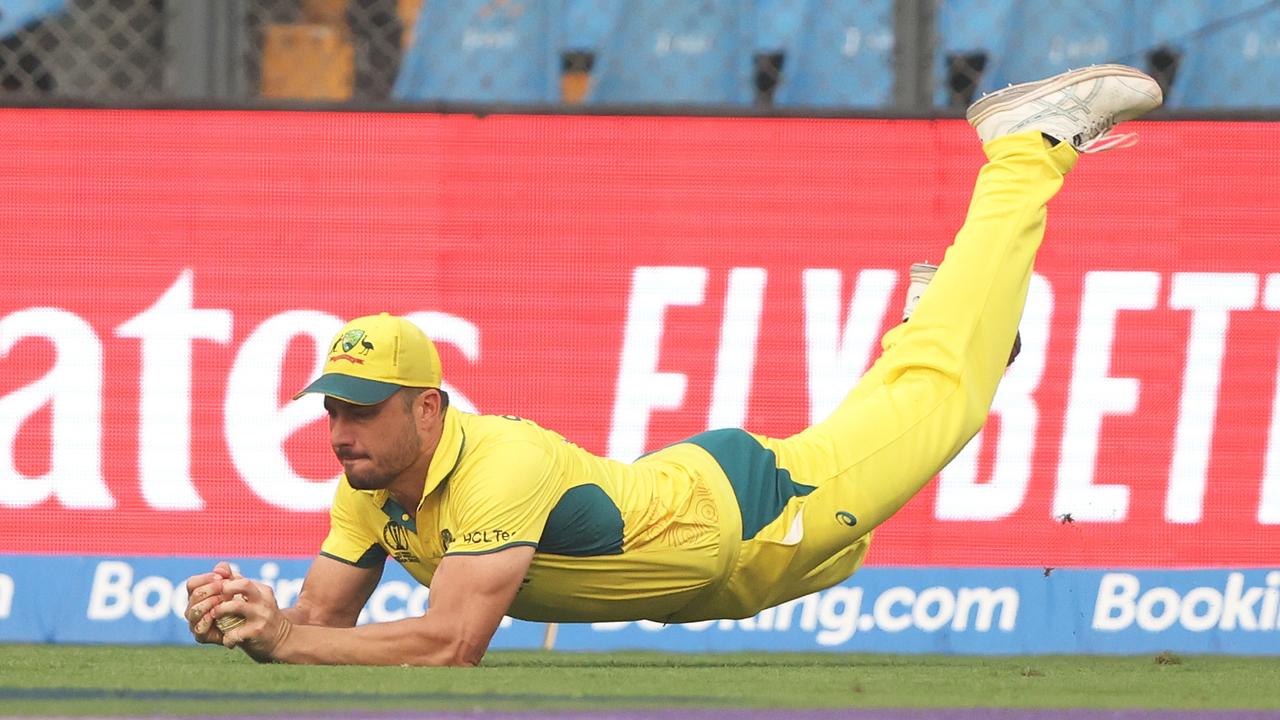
pixel 919 404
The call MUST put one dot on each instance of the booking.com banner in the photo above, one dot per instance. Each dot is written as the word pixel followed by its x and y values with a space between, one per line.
pixel 173 277
pixel 918 610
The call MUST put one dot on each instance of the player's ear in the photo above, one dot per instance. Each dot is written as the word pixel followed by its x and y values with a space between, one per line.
pixel 430 406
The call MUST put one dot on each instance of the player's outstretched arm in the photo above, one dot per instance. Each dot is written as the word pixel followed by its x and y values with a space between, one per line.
pixel 333 593
pixel 469 596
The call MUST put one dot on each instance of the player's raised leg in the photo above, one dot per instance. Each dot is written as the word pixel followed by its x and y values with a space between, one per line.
pixel 931 389
pixel 921 275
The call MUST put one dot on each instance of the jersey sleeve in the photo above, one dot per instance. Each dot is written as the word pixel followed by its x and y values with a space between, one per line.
pixel 505 501
pixel 351 541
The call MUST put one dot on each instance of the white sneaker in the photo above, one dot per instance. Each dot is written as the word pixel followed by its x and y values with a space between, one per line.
pixel 1078 106
pixel 921 275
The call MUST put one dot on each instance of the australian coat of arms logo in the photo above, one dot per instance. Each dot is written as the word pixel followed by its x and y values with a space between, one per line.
pixel 349 341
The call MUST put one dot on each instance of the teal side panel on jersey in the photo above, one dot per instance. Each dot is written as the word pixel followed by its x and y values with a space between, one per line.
pixel 762 488
pixel 585 522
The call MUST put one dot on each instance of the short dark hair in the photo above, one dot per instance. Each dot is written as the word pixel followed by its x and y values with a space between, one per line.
pixel 409 395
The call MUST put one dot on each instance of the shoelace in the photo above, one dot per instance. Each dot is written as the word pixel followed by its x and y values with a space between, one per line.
pixel 1110 141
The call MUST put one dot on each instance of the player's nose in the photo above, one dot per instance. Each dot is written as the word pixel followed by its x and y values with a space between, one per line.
pixel 340 437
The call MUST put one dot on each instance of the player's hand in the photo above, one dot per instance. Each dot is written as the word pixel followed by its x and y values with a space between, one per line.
pixel 204 592
pixel 264 627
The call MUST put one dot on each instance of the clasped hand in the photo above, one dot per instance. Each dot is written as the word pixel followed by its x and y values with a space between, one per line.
pixel 222 593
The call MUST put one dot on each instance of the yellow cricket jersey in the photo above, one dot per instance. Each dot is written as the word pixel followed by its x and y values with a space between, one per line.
pixel 613 540
pixel 654 539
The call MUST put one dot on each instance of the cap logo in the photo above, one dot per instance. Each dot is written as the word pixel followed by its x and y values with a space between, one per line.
pixel 348 341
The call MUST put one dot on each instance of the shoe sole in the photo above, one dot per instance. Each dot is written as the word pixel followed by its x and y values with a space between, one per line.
pixel 1016 95
pixel 922 270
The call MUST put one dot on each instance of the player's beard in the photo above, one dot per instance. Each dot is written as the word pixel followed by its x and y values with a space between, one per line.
pixel 381 472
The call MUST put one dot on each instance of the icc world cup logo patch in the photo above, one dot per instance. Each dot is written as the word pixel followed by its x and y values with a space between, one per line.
pixel 396 538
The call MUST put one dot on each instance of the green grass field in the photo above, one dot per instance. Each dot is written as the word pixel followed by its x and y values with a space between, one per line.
pixel 69 680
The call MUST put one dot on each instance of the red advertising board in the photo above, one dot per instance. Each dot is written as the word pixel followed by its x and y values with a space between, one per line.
pixel 627 281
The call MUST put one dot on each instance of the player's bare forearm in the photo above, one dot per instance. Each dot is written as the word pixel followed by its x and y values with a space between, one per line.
pixel 333 594
pixel 469 596
pixel 420 641
pixel 303 614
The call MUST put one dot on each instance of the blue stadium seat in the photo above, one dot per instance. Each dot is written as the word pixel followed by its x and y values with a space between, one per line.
pixel 587 23
pixel 1031 39
pixel 17 14
pixel 966 27
pixel 483 51
pixel 843 56
pixel 778 24
pixel 1230 52
pixel 677 51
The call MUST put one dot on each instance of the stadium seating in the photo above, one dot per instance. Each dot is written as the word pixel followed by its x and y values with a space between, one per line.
pixel 308 61
pixel 17 14
pixel 676 51
pixel 969 33
pixel 483 51
pixel 778 24
pixel 587 23
pixel 1013 41
pixel 842 55
pixel 1228 53
pixel 834 53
